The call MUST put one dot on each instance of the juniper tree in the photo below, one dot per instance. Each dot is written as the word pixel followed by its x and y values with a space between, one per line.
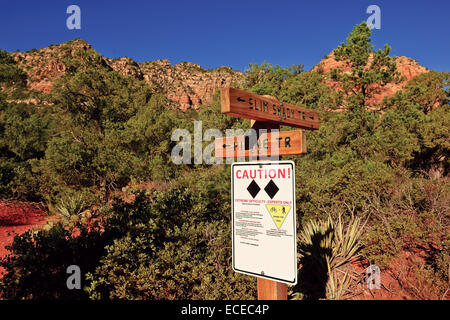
pixel 369 70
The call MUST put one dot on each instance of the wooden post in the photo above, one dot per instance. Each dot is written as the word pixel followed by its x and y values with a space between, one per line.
pixel 271 290
pixel 268 289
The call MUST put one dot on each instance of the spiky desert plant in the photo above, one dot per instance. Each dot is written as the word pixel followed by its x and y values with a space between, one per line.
pixel 332 245
pixel 346 247
pixel 316 236
pixel 338 283
pixel 346 244
pixel 71 205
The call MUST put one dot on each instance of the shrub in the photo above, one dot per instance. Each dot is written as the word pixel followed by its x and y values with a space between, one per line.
pixel 166 249
pixel 327 248
pixel 157 247
pixel 36 267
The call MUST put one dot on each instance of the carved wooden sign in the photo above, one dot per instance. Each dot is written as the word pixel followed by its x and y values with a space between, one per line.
pixel 248 105
pixel 281 143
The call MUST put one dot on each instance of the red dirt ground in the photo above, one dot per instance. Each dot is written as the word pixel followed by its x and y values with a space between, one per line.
pixel 400 281
pixel 17 218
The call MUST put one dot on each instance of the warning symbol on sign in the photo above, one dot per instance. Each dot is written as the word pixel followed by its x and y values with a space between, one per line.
pixel 278 213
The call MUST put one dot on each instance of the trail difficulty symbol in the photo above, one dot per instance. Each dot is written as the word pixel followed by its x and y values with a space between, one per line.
pixel 278 213
pixel 271 189
pixel 253 189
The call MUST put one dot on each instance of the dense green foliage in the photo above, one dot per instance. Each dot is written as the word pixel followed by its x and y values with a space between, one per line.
pixel 11 76
pixel 23 133
pixel 163 245
pixel 101 131
pixel 105 132
pixel 168 253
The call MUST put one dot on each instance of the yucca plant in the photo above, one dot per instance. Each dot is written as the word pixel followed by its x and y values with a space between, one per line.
pixel 316 239
pixel 327 247
pixel 315 248
pixel 346 244
pixel 71 205
pixel 339 282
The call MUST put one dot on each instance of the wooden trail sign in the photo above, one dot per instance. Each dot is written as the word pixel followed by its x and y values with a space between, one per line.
pixel 266 113
pixel 248 105
pixel 268 144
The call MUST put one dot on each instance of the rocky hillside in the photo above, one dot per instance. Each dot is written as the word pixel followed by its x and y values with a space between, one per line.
pixel 407 67
pixel 185 83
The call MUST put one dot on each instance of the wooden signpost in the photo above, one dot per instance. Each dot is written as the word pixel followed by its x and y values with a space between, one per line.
pixel 267 113
pixel 267 144
pixel 243 104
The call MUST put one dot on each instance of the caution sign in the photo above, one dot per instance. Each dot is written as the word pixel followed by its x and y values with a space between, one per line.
pixel 278 213
pixel 263 220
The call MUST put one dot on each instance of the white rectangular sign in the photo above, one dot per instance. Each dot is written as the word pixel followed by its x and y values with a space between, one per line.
pixel 264 220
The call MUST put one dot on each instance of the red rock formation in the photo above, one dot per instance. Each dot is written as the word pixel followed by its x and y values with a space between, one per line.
pixel 185 83
pixel 407 67
pixel 188 83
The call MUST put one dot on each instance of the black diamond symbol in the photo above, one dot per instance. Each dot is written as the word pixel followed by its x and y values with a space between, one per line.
pixel 253 188
pixel 271 189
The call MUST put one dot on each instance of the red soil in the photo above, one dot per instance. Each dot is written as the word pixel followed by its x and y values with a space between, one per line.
pixel 17 218
pixel 401 280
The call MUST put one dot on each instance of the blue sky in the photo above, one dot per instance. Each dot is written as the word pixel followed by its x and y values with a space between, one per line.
pixel 234 33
